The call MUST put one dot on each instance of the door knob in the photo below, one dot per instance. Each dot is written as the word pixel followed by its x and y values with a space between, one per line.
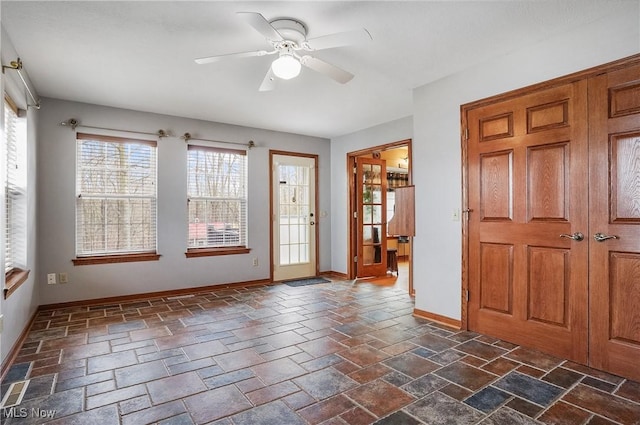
pixel 577 236
pixel 600 237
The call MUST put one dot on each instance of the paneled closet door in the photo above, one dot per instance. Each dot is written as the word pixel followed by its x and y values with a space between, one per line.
pixel 527 192
pixel 614 204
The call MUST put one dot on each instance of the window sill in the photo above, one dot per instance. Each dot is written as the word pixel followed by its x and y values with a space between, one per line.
pixel 13 280
pixel 211 252
pixel 121 258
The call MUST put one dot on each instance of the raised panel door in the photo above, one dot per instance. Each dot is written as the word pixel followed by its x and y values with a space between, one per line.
pixel 614 339
pixel 528 186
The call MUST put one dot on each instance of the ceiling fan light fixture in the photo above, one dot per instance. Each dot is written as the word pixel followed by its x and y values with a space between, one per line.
pixel 286 67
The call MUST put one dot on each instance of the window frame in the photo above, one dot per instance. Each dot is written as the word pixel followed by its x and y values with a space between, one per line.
pixel 207 251
pixel 15 275
pixel 109 257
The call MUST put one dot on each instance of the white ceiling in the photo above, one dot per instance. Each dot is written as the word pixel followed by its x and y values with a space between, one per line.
pixel 139 54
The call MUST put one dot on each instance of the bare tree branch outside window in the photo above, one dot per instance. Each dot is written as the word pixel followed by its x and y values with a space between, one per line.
pixel 116 196
pixel 217 198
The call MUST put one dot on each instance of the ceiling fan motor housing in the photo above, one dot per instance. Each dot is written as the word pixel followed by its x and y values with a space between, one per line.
pixel 290 29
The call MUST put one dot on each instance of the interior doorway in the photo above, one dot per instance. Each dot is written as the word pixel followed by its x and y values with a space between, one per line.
pixel 293 212
pixel 373 253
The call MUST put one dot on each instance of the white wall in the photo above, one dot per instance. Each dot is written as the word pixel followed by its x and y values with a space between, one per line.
pixel 21 304
pixel 390 132
pixel 436 145
pixel 56 208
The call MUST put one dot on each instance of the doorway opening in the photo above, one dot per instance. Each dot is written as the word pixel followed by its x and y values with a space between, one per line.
pixel 375 174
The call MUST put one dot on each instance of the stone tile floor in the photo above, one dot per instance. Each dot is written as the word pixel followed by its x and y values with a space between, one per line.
pixel 337 353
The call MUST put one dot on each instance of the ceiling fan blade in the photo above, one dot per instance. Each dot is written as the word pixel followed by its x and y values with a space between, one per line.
pixel 260 24
pixel 269 82
pixel 339 39
pixel 210 59
pixel 332 71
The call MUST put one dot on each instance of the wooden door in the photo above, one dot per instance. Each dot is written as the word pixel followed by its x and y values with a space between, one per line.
pixel 371 215
pixel 527 191
pixel 614 115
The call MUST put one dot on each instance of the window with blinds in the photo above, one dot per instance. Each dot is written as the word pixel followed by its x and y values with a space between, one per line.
pixel 116 196
pixel 15 141
pixel 217 197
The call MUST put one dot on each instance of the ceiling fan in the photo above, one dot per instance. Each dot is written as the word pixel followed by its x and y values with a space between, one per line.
pixel 288 38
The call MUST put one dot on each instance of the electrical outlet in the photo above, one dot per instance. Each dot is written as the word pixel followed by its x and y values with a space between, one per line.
pixel 255 262
pixel 51 279
pixel 63 278
pixel 1 323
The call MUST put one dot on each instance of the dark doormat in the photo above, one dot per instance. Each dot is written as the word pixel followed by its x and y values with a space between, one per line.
pixel 305 282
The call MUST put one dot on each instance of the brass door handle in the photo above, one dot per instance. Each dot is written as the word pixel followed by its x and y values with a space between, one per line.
pixel 600 237
pixel 577 236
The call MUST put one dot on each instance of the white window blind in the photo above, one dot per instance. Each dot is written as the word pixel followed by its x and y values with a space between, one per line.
pixel 116 195
pixel 217 195
pixel 15 136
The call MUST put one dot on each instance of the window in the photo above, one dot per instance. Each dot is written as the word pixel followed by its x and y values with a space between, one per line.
pixel 116 199
pixel 217 199
pixel 15 146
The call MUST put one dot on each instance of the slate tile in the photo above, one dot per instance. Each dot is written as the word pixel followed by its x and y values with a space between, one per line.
pixel 442 410
pixel 424 385
pixel 154 414
pixel 488 399
pixel 278 370
pixel 604 404
pixel 481 350
pixel 506 416
pixel 561 377
pixel 398 418
pixel 268 414
pixel 325 383
pixel 380 397
pixel 529 388
pixel 214 404
pixel 465 375
pixel 561 413
pixel 524 407
pixel 326 409
pixel 175 387
pixel 107 415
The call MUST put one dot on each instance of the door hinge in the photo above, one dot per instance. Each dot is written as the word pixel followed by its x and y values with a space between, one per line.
pixel 355 259
pixel 355 214
pixel 467 294
pixel 466 133
pixel 355 170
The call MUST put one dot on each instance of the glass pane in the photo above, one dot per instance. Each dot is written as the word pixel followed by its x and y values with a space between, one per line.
pixel 304 253
pixel 376 192
pixel 376 177
pixel 284 255
pixel 367 213
pixel 367 236
pixel 284 235
pixel 302 233
pixel 377 214
pixel 376 230
pixel 377 254
pixel 294 252
pixel 294 234
pixel 367 255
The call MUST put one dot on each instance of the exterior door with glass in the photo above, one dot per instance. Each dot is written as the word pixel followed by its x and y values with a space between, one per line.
pixel 294 216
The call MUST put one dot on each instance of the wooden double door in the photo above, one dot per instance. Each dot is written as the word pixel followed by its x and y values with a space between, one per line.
pixel 553 245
